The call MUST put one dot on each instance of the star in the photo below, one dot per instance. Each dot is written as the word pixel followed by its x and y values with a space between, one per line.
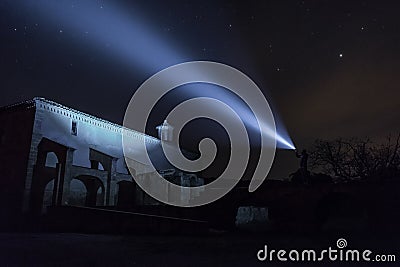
pixel 269 47
pixel 340 55
pixel 60 31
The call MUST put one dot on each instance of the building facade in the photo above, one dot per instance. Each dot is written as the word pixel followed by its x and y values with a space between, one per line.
pixel 54 155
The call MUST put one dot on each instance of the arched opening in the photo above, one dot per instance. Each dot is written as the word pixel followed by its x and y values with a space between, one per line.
pixel 43 182
pixel 77 193
pixel 50 156
pixel 51 160
pixel 86 190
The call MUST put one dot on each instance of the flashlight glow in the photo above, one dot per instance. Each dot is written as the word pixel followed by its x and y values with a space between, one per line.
pixel 281 142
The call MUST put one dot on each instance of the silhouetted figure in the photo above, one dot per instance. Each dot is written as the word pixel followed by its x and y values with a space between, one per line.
pixel 303 164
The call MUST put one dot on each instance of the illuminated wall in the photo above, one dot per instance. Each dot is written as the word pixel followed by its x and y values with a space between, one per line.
pixel 53 146
pixel 82 131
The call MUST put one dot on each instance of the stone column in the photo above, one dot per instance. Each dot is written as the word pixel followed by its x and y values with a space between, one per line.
pixel 111 183
pixel 113 193
pixel 56 187
pixel 33 153
pixel 66 181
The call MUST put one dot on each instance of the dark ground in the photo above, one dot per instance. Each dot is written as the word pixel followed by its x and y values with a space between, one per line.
pixel 214 249
pixel 376 228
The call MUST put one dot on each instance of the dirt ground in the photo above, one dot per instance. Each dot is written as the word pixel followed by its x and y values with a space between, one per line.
pixel 214 249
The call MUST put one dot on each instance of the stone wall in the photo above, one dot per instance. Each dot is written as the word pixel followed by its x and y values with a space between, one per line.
pixel 16 123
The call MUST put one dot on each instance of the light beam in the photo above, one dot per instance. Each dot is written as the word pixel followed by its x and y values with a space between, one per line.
pixel 130 39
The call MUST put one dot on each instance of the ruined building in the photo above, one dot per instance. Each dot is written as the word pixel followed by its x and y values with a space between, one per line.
pixel 52 155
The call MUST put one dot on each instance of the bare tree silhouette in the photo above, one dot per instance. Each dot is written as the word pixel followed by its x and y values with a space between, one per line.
pixel 357 158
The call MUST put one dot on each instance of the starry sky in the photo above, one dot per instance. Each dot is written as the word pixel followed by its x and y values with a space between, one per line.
pixel 328 68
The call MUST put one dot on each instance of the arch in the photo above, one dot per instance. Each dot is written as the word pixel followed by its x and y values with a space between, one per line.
pixel 51 160
pixel 45 169
pixel 89 191
pixel 77 193
pixel 50 150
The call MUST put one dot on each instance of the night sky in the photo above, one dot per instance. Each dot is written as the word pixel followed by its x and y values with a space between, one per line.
pixel 328 68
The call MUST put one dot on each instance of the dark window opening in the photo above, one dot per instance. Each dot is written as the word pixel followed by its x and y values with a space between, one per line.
pixel 74 128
